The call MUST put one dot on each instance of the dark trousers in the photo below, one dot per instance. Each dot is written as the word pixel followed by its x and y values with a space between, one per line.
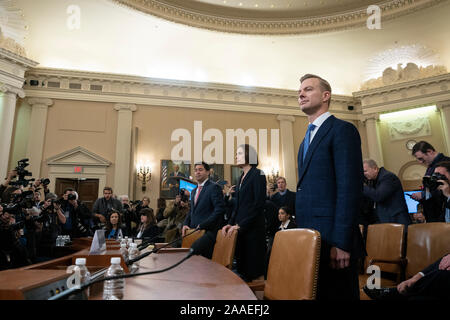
pixel 435 284
pixel 337 284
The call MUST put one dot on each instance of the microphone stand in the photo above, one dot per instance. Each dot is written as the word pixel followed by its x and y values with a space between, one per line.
pixel 129 262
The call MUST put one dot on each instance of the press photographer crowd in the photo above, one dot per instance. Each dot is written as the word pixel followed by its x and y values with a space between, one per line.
pixel 32 218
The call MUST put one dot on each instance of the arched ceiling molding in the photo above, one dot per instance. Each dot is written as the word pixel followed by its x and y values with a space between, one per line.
pixel 173 11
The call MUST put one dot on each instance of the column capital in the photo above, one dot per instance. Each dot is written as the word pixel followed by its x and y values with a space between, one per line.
pixel 282 117
pixel 365 117
pixel 443 105
pixel 40 101
pixel 125 107
pixel 6 88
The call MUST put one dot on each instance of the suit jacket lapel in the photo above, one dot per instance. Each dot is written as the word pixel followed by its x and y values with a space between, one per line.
pixel 323 131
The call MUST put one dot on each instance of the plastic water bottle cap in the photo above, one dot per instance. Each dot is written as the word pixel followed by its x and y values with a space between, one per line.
pixel 80 261
pixel 115 260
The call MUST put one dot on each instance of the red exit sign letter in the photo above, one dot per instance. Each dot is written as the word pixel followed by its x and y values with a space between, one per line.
pixel 78 169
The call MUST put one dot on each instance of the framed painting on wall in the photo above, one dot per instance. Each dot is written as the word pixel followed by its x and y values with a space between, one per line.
pixel 170 174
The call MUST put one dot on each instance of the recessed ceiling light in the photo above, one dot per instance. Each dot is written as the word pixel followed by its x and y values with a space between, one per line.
pixel 240 4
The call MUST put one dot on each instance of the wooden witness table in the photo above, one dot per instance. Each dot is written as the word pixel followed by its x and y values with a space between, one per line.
pixel 197 278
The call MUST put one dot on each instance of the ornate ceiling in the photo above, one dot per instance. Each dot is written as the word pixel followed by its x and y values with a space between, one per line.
pixel 274 17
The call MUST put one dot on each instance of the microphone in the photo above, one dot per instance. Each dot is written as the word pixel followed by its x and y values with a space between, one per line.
pixel 130 262
pixel 75 290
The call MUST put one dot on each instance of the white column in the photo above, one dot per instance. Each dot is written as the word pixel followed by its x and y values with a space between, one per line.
pixel 38 124
pixel 287 150
pixel 8 100
pixel 444 108
pixel 373 139
pixel 123 148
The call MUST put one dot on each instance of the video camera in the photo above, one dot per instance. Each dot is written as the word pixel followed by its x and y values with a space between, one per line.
pixel 22 173
pixel 432 182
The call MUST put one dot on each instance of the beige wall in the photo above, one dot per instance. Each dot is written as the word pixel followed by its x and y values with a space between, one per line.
pixel 156 125
pixel 91 125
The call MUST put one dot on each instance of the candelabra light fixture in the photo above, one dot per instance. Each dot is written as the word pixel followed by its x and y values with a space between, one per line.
pixel 144 174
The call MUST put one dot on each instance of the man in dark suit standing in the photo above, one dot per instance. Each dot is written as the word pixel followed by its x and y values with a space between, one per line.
pixel 329 190
pixel 206 211
pixel 386 193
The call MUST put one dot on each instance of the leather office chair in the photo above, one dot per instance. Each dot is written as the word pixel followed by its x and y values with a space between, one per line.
pixel 293 266
pixel 224 249
pixel 427 242
pixel 385 245
pixel 191 238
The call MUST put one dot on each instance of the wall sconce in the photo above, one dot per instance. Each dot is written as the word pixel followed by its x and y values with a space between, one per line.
pixel 144 174
pixel 273 176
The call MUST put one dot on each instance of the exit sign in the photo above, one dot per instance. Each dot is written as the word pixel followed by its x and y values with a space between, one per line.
pixel 78 169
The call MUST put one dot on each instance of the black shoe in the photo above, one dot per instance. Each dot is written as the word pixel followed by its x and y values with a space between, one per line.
pixel 383 294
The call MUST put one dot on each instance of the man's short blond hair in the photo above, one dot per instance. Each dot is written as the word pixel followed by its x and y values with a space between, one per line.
pixel 324 84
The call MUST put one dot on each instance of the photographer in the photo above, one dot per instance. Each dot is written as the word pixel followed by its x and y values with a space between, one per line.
pixel 53 218
pixel 78 217
pixel 5 185
pixel 128 215
pixel 176 214
pixel 103 207
pixel 431 200
pixel 443 169
pixel 12 253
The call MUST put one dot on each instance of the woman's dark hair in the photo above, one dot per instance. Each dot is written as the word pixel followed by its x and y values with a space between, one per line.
pixel 109 226
pixel 148 212
pixel 251 156
pixel 287 210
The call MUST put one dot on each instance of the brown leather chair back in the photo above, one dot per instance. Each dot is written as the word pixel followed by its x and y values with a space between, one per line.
pixel 224 249
pixel 427 242
pixel 190 239
pixel 293 265
pixel 385 241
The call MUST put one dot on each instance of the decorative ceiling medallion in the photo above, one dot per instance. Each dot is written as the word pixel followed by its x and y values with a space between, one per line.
pixel 250 23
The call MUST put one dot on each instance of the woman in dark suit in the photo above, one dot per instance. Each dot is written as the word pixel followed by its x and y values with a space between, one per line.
pixel 248 216
pixel 148 228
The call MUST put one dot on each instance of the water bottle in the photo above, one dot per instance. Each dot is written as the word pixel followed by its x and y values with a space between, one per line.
pixel 124 250
pixel 113 289
pixel 129 242
pixel 133 252
pixel 58 241
pixel 85 276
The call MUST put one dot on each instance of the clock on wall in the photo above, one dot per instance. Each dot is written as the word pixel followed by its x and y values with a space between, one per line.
pixel 410 144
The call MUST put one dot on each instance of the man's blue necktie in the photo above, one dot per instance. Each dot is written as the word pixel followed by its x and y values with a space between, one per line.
pixel 307 138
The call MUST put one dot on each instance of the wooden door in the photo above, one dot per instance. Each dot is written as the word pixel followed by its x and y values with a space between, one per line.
pixel 87 189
